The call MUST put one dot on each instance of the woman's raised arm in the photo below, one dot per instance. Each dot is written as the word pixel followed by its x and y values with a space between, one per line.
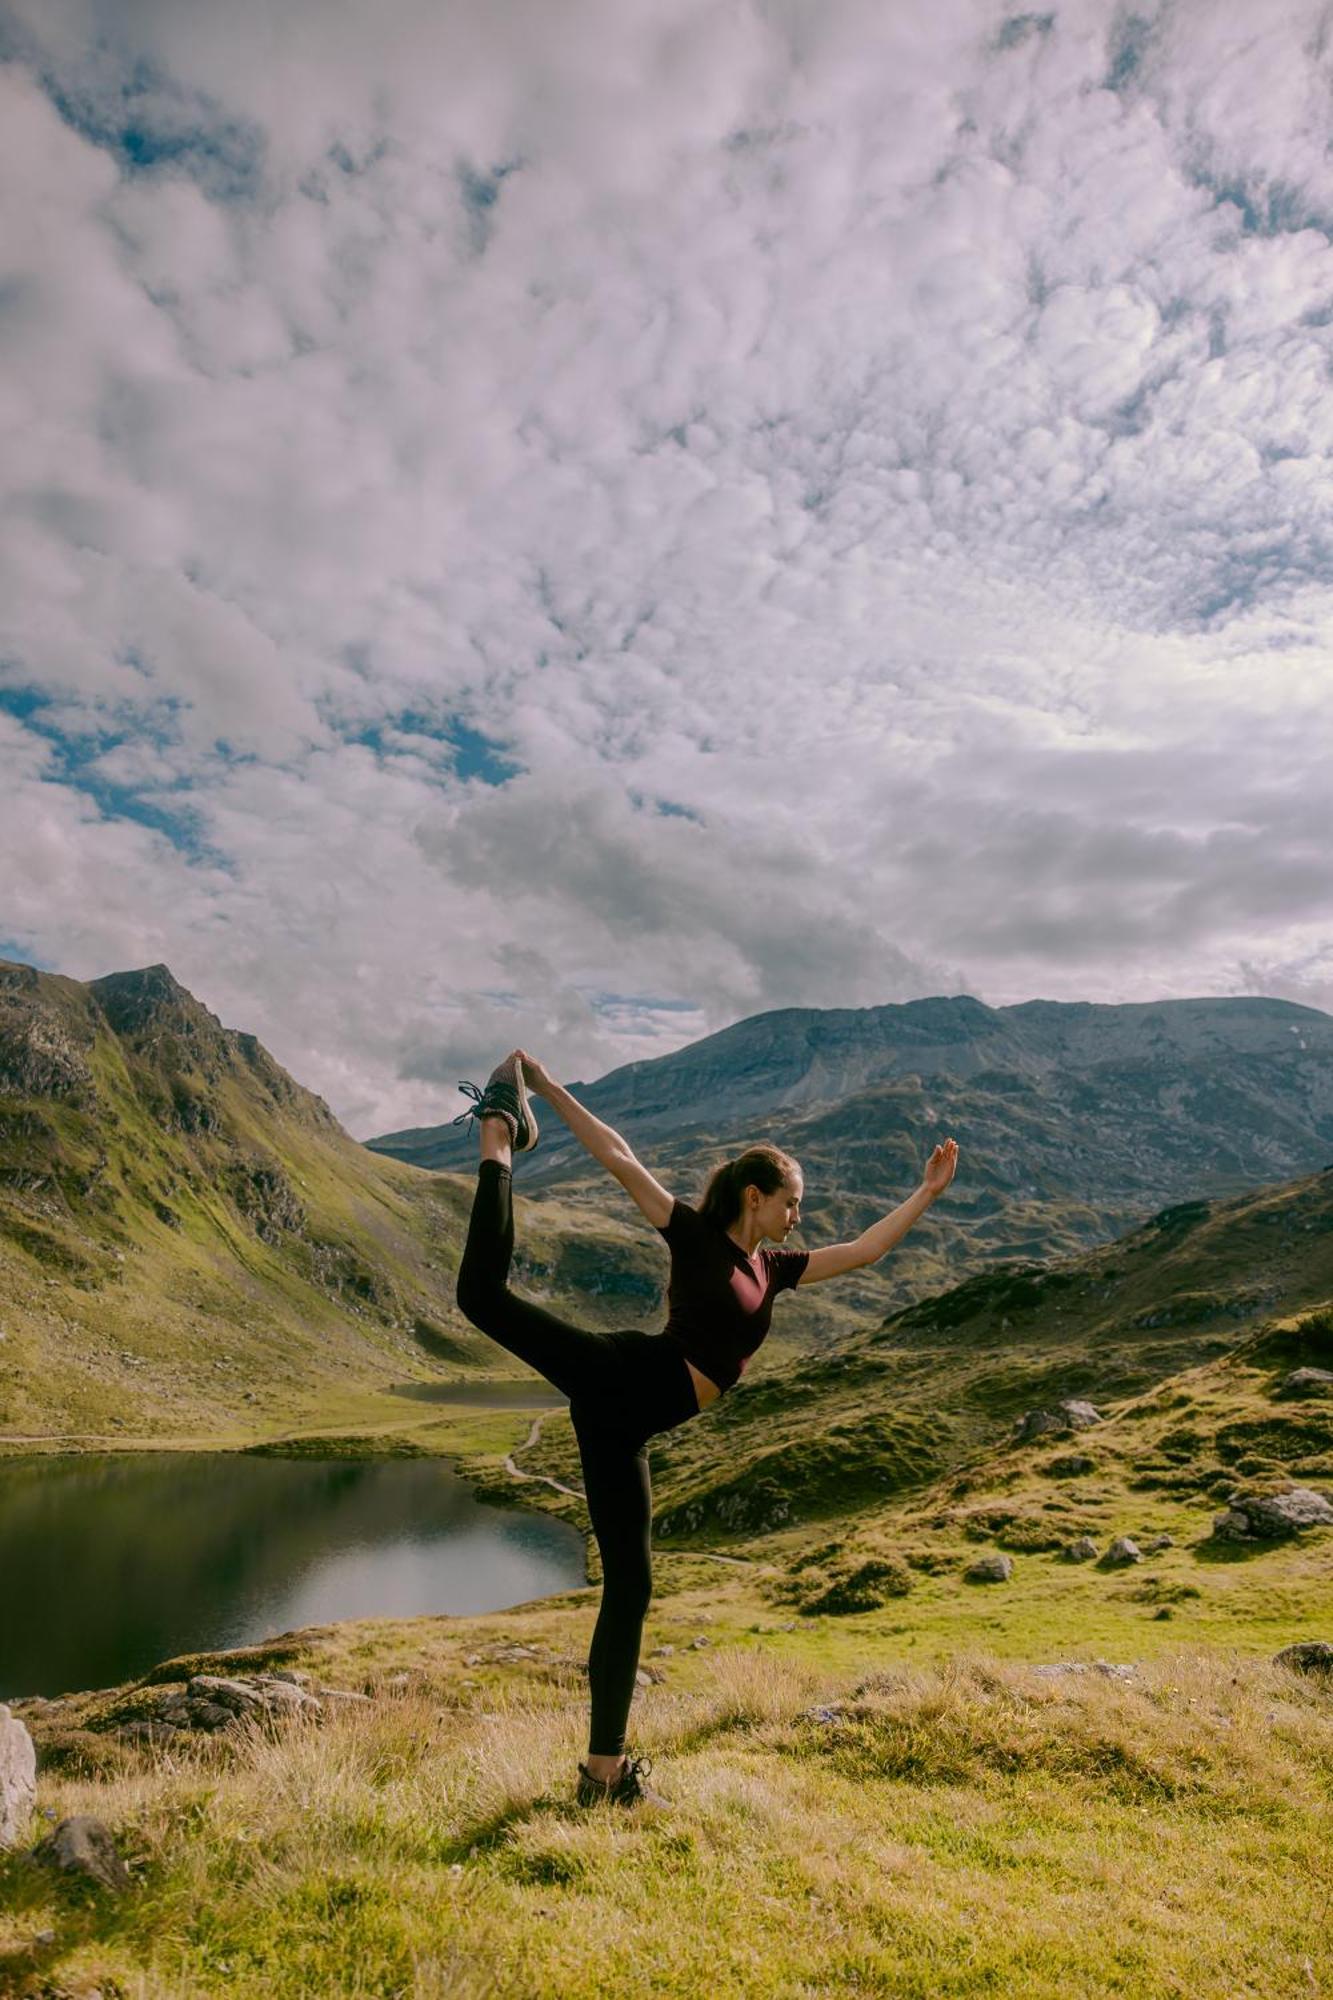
pixel 605 1144
pixel 875 1242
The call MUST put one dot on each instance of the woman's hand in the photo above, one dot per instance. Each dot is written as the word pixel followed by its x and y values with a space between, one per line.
pixel 535 1074
pixel 940 1168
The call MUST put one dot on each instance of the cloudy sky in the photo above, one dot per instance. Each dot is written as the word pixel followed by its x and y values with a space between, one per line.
pixel 576 521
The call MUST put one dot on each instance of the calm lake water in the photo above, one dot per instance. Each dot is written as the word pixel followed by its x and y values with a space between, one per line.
pixel 110 1563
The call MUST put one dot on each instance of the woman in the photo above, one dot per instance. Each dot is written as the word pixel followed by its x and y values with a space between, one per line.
pixel 626 1387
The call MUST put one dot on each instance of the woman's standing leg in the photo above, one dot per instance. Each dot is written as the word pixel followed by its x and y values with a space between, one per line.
pixel 620 1506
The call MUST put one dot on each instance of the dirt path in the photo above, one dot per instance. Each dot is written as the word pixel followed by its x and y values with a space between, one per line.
pixel 576 1493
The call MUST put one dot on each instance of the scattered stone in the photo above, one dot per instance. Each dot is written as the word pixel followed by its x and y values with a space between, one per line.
pixel 215 1702
pixel 990 1569
pixel 695 1644
pixel 18 1778
pixel 649 1676
pixel 1110 1669
pixel 1307 1382
pixel 1082 1551
pixel 1308 1656
pixel 833 1713
pixel 661 1652
pixel 1268 1516
pixel 1123 1550
pixel 1072 1414
pixel 1158 1543
pixel 84 1846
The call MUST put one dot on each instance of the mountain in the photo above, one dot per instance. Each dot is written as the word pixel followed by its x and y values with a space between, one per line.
pixel 1074 1120
pixel 187 1236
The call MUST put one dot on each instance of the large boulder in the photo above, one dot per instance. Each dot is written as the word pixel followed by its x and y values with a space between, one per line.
pixel 1269 1516
pixel 18 1778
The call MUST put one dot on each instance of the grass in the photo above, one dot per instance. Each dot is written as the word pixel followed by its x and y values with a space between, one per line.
pixel 961 1826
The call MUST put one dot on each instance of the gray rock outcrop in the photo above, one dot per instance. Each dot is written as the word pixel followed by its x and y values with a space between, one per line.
pixel 1070 1415
pixel 1124 1550
pixel 1269 1516
pixel 18 1778
pixel 84 1846
pixel 216 1702
pixel 1307 1382
pixel 1307 1656
pixel 990 1569
pixel 1081 1551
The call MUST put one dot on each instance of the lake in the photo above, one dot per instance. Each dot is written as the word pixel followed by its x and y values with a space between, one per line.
pixel 112 1562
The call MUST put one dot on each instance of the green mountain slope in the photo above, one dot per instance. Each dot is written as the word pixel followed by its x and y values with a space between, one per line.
pixel 910 1415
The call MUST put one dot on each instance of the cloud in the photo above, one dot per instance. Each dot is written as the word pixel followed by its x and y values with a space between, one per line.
pixel 571 526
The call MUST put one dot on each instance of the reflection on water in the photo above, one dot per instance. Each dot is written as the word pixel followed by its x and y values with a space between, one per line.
pixel 534 1395
pixel 111 1563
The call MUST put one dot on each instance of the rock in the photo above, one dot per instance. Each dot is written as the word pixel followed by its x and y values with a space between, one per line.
pixel 1269 1516
pixel 1037 1423
pixel 990 1569
pixel 702 1640
pixel 1158 1543
pixel 1069 1415
pixel 661 1652
pixel 18 1778
pixel 649 1676
pixel 1082 1551
pixel 1123 1550
pixel 832 1713
pixel 1308 1656
pixel 84 1846
pixel 1307 1382
pixel 1126 1672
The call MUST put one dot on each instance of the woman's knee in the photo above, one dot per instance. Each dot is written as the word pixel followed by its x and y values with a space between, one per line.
pixel 628 1589
pixel 480 1299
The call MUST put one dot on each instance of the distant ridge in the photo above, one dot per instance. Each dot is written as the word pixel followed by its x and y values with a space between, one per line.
pixel 1075 1119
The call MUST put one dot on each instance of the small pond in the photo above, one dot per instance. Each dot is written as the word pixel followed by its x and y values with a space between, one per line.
pixel 112 1562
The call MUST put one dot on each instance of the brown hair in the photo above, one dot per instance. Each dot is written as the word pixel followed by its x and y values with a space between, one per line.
pixel 765 1167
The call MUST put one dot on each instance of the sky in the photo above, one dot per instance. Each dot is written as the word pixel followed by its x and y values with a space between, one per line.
pixel 571 525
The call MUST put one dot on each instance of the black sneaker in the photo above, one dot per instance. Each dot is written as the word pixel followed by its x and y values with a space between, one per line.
pixel 628 1789
pixel 505 1096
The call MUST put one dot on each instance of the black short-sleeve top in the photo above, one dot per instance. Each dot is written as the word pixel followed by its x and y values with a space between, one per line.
pixel 719 1301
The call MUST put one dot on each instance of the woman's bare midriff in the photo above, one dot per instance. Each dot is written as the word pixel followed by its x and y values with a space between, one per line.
pixel 706 1391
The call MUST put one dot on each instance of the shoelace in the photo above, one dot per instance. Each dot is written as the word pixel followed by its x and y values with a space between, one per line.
pixel 478 1097
pixel 636 1768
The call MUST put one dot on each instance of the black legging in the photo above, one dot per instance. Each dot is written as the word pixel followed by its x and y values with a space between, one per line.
pixel 622 1388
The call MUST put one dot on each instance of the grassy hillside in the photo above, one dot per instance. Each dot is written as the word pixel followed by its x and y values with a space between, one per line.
pixel 885 1776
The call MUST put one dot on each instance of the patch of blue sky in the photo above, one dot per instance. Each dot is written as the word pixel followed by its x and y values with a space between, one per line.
pixel 77 752
pixel 471 753
pixel 22 954
pixel 149 123
pixel 664 808
pixel 1266 208
pixel 636 1003
pixel 479 193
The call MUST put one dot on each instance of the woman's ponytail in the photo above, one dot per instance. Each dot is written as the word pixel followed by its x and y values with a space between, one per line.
pixel 765 1167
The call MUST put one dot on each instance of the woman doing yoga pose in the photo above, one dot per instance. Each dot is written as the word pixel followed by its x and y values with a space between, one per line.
pixel 626 1387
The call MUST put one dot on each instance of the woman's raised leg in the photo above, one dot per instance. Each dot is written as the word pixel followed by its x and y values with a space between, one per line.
pixel 577 1362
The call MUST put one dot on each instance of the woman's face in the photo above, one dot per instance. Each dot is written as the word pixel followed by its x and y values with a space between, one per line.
pixel 778 1213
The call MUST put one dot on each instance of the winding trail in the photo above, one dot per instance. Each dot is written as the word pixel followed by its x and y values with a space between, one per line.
pixel 577 1493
